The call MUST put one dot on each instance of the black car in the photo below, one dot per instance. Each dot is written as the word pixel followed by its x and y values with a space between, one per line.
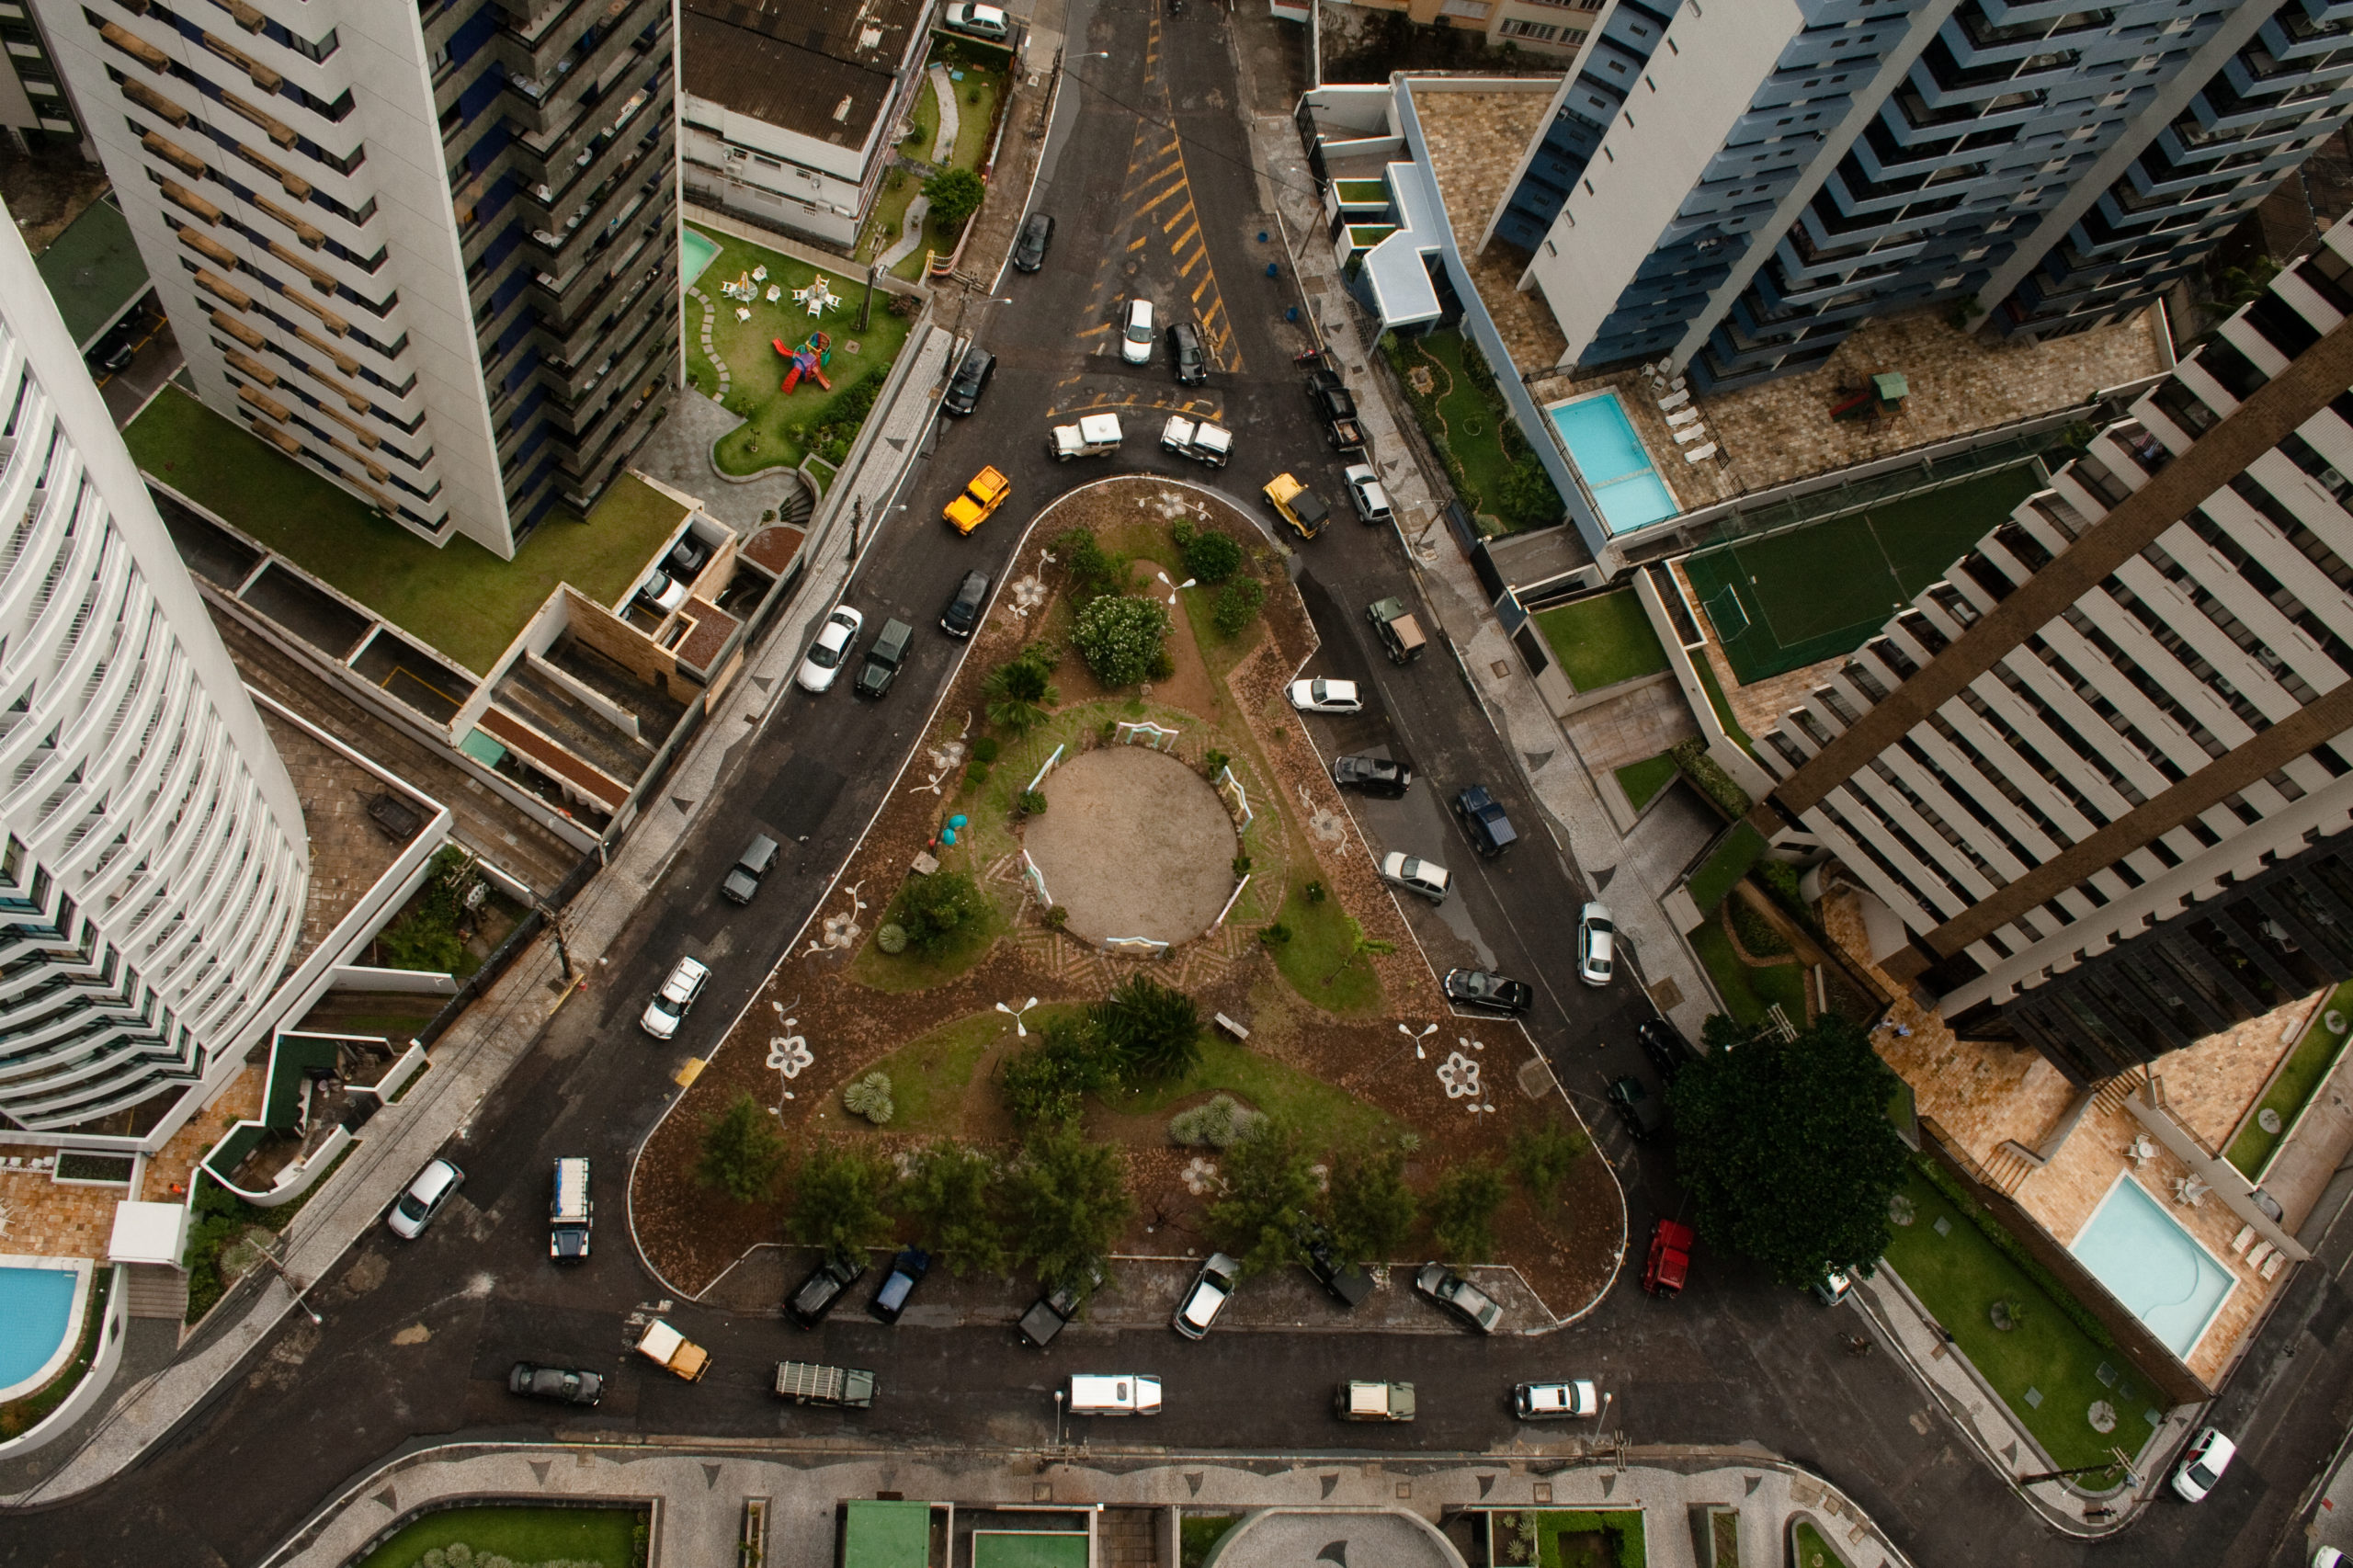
pixel 962 616
pixel 1373 775
pixel 1052 1312
pixel 823 1289
pixel 1191 360
pixel 1664 1045
pixel 1644 1116
pixel 1482 818
pixel 687 558
pixel 113 355
pixel 1029 251
pixel 1477 988
pixel 907 1270
pixel 565 1385
pixel 1343 1282
pixel 963 394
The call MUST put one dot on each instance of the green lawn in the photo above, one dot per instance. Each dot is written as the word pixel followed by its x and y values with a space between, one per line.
pixel 976 98
pixel 605 1537
pixel 460 598
pixel 1602 640
pixel 1332 1115
pixel 1811 1549
pixel 2313 1056
pixel 1747 991
pixel 1317 962
pixel 1461 420
pixel 1713 882
pixel 912 970
pixel 1196 1535
pixel 932 1073
pixel 1717 700
pixel 1622 1527
pixel 1644 780
pixel 1958 1274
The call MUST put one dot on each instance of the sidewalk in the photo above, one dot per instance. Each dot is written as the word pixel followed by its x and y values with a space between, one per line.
pixel 469 1061
pixel 699 1489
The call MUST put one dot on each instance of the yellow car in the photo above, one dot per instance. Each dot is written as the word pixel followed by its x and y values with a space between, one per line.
pixel 1299 506
pixel 984 495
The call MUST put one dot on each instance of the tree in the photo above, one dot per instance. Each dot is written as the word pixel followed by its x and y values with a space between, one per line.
pixel 1211 556
pixel 1018 692
pixel 1093 570
pixel 837 1200
pixel 1462 1211
pixel 955 194
pixel 950 1196
pixel 1119 636
pixel 1526 497
pixel 1044 1083
pixel 1372 1209
pixel 1069 1200
pixel 1269 1191
pixel 1236 605
pixel 741 1152
pixel 1155 1030
pixel 1787 1150
pixel 932 910
pixel 1541 1158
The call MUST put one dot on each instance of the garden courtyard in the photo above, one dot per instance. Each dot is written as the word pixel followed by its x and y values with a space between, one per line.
pixel 1224 1037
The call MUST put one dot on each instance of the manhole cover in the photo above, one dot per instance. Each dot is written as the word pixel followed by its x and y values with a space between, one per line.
pixel 1501 667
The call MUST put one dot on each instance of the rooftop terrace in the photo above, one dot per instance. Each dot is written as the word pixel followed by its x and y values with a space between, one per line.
pixel 93 271
pixel 1463 131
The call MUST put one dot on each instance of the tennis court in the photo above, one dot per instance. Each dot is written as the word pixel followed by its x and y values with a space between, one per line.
pixel 1782 602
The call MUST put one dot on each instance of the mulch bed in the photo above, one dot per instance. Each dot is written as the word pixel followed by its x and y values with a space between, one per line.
pixel 691 1234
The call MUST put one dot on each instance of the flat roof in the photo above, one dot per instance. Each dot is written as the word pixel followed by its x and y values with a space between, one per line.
pixel 878 1534
pixel 823 68
pixel 93 271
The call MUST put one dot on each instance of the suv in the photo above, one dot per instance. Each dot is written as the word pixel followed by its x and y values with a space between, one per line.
pixel 1415 875
pixel 1207 1296
pixel 1373 775
pixel 744 877
pixel 1297 506
pixel 1367 493
pixel 1343 1282
pixel 1186 354
pixel 821 1289
pixel 434 1185
pixel 1374 1401
pixel 1036 233
pixel 1482 818
pixel 1644 1118
pixel 668 1009
pixel 1441 1286
pixel 962 616
pixel 1052 1312
pixel 884 659
pixel 978 501
pixel 1400 633
pixel 1664 1045
pixel 963 394
pixel 890 1298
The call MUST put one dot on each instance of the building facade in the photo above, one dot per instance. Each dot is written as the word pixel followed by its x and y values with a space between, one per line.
pixel 430 250
pixel 1736 187
pixel 2103 771
pixel 35 107
pixel 153 861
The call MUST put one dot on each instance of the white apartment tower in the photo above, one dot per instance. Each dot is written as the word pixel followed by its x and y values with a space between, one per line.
pixel 427 247
pixel 154 862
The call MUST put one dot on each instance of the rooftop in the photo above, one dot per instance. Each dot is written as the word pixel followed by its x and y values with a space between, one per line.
pixel 348 852
pixel 93 271
pixel 824 68
pixel 1463 131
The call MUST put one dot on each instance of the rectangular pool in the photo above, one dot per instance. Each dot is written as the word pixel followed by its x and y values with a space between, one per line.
pixel 1612 461
pixel 2152 1265
pixel 695 251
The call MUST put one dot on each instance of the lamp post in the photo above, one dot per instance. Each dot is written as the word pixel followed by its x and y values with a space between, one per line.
pixel 1058 1418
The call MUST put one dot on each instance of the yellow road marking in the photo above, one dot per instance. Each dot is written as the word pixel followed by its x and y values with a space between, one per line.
pixel 1187 270
pixel 1141 241
pixel 685 1076
pixel 1216 305
pixel 1203 284
pixel 1094 331
pixel 1177 189
pixel 1182 213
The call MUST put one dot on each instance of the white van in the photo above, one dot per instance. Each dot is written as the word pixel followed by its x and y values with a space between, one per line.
pixel 1122 1395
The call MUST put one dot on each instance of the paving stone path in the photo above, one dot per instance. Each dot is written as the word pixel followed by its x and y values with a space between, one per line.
pixel 944 91
pixel 709 353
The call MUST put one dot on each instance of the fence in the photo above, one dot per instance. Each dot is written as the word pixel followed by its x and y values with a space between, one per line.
pixel 1046 768
pixel 1237 803
pixel 1231 901
pixel 530 926
pixel 1134 946
pixel 1029 873
pixel 1157 737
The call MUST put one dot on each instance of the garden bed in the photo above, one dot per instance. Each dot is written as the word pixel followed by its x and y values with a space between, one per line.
pixel 1453 397
pixel 472 1537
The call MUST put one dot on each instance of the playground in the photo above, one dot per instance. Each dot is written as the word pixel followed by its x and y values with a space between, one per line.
pixel 777 341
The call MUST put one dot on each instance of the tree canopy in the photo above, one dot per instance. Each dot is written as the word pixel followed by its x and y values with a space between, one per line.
pixel 1069 1200
pixel 1155 1028
pixel 1269 1191
pixel 955 194
pixel 950 1196
pixel 1787 1150
pixel 740 1152
pixel 837 1198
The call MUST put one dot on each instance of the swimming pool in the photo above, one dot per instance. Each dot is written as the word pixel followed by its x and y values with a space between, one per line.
pixel 40 1299
pixel 2152 1265
pixel 695 251
pixel 1612 461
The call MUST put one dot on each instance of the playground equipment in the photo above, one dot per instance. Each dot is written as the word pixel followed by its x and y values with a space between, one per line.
pixel 1883 393
pixel 810 360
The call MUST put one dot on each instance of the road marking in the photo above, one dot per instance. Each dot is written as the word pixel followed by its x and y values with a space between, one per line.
pixel 1096 331
pixel 1204 283
pixel 685 1077
pixel 1139 242
pixel 1178 243
pixel 1177 189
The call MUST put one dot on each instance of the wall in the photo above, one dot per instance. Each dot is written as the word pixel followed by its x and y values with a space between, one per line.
pixel 93 1386
pixel 598 627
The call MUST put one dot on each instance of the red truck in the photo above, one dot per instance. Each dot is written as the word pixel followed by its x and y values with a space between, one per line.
pixel 1670 1260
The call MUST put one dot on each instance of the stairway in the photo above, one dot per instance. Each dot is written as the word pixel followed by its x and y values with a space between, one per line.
pixel 2007 1170
pixel 794 504
pixel 156 1291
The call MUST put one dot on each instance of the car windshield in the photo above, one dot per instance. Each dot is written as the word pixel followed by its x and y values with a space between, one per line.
pixel 824 657
pixel 660 1008
pixel 1600 927
pixel 2200 1474
pixel 1139 331
pixel 412 1206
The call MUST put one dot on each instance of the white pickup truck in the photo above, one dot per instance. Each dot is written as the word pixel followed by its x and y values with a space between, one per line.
pixel 1204 442
pixel 1092 437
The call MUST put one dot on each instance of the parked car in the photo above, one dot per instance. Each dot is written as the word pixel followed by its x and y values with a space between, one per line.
pixel 1597 944
pixel 1374 1401
pixel 1343 1281
pixel 1401 635
pixel 830 650
pixel 112 354
pixel 884 659
pixel 1052 1311
pixel 1373 775
pixel 978 501
pixel 1669 1263
pixel 1437 1283
pixel 1337 407
pixel 811 1382
pixel 1664 1045
pixel 1212 1287
pixel 668 1009
pixel 434 1185
pixel 963 616
pixel 1297 506
pixel 972 378
pixel 565 1385
pixel 572 1213
pixel 687 558
pixel 674 1352
pixel 1324 697
pixel 1187 355
pixel 1644 1117
pixel 758 860
pixel 1556 1402
pixel 1095 436
pixel 1114 1394
pixel 1482 988
pixel 890 1298
pixel 821 1289
pixel 2202 1464
pixel 1367 493
pixel 980 21
pixel 1135 332
pixel 1036 235
pixel 1415 875
pixel 1200 440
pixel 663 592
pixel 1482 819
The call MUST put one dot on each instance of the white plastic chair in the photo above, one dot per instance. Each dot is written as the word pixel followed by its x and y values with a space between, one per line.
pixel 1683 416
pixel 1673 401
pixel 1690 433
pixel 1699 454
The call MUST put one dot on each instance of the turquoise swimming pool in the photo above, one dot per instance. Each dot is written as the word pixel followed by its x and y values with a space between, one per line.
pixel 695 251
pixel 1612 460
pixel 2152 1265
pixel 36 1325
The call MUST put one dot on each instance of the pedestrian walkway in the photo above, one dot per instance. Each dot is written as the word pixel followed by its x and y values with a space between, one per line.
pixel 943 93
pixel 910 234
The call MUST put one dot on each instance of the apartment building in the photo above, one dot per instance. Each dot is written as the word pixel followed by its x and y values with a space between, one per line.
pixel 787 108
pixel 1735 188
pixel 2103 771
pixel 153 859
pixel 429 250
pixel 35 110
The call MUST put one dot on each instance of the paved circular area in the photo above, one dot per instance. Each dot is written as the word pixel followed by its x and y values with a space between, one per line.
pixel 1133 843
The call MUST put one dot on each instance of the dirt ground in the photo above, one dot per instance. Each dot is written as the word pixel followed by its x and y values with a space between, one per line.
pixel 47 191
pixel 1133 844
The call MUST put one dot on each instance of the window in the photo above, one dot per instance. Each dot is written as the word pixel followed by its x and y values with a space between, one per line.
pixel 1543 32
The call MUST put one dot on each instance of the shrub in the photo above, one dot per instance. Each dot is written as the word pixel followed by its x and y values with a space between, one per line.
pixel 1093 570
pixel 837 1197
pixel 741 1152
pixel 1276 935
pixel 1155 1029
pixel 1017 694
pixel 1057 916
pixel 1213 762
pixel 950 1195
pixel 892 937
pixel 984 749
pixel 932 909
pixel 870 1098
pixel 1044 1082
pixel 1526 497
pixel 1541 1158
pixel 1121 638
pixel 976 774
pixel 1462 1211
pixel 1692 758
pixel 1755 932
pixel 1242 865
pixel 1164 665
pixel 1236 607
pixel 427 937
pixel 1269 1190
pixel 1315 893
pixel 1213 1124
pixel 905 306
pixel 1371 1208
pixel 1211 556
pixel 955 194
pixel 1031 803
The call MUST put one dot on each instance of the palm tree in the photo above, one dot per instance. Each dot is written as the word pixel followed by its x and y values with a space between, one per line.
pixel 1018 694
pixel 1155 1028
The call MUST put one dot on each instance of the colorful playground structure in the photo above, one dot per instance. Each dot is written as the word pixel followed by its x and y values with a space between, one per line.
pixel 810 360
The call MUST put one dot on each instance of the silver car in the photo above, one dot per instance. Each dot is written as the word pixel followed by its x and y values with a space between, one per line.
pixel 434 1185
pixel 668 1009
pixel 1211 1289
pixel 1136 331
pixel 1426 878
pixel 1571 1400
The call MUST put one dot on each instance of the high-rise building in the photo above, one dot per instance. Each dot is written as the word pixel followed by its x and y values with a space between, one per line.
pixel 153 861
pixel 2103 771
pixel 34 107
pixel 429 250
pixel 1735 187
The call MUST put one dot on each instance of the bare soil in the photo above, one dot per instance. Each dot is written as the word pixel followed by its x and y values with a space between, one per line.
pixel 1133 844
pixel 46 192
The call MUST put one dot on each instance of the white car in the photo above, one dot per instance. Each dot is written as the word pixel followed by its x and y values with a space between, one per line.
pixel 2328 1557
pixel 2202 1464
pixel 831 648
pixel 1326 696
pixel 980 21
pixel 663 592
pixel 426 1194
pixel 1426 878
pixel 1365 492
pixel 1556 1402
pixel 668 1009
pixel 1211 1288
pixel 1135 332
pixel 1597 944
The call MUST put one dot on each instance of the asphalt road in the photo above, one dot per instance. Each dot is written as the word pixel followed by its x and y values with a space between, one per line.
pixel 417 1336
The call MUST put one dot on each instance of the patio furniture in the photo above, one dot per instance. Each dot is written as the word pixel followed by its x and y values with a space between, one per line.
pixel 2271 1264
pixel 1673 401
pixel 1683 416
pixel 2141 1149
pixel 2188 1191
pixel 2262 1251
pixel 1700 454
pixel 2239 1243
pixel 1690 433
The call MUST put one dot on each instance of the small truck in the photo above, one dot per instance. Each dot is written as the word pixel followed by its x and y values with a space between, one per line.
pixel 1669 1263
pixel 665 1347
pixel 1095 436
pixel 805 1382
pixel 981 498
pixel 1362 1401
pixel 1204 442
pixel 1337 407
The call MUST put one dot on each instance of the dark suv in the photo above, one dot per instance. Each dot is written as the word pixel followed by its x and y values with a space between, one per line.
pixel 884 660
pixel 1342 1280
pixel 963 394
pixel 1036 233
pixel 823 1289
pixel 1482 818
pixel 1186 354
pixel 962 616
pixel 1644 1116
pixel 1664 1045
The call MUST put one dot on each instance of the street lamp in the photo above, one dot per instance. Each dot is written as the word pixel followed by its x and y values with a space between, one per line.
pixel 1058 1418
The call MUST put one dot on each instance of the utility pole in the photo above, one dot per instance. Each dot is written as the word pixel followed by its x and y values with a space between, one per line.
pixel 270 1255
pixel 857 517
pixel 555 929
pixel 1054 80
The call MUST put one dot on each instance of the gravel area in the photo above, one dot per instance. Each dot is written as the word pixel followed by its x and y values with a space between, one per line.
pixel 1133 843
